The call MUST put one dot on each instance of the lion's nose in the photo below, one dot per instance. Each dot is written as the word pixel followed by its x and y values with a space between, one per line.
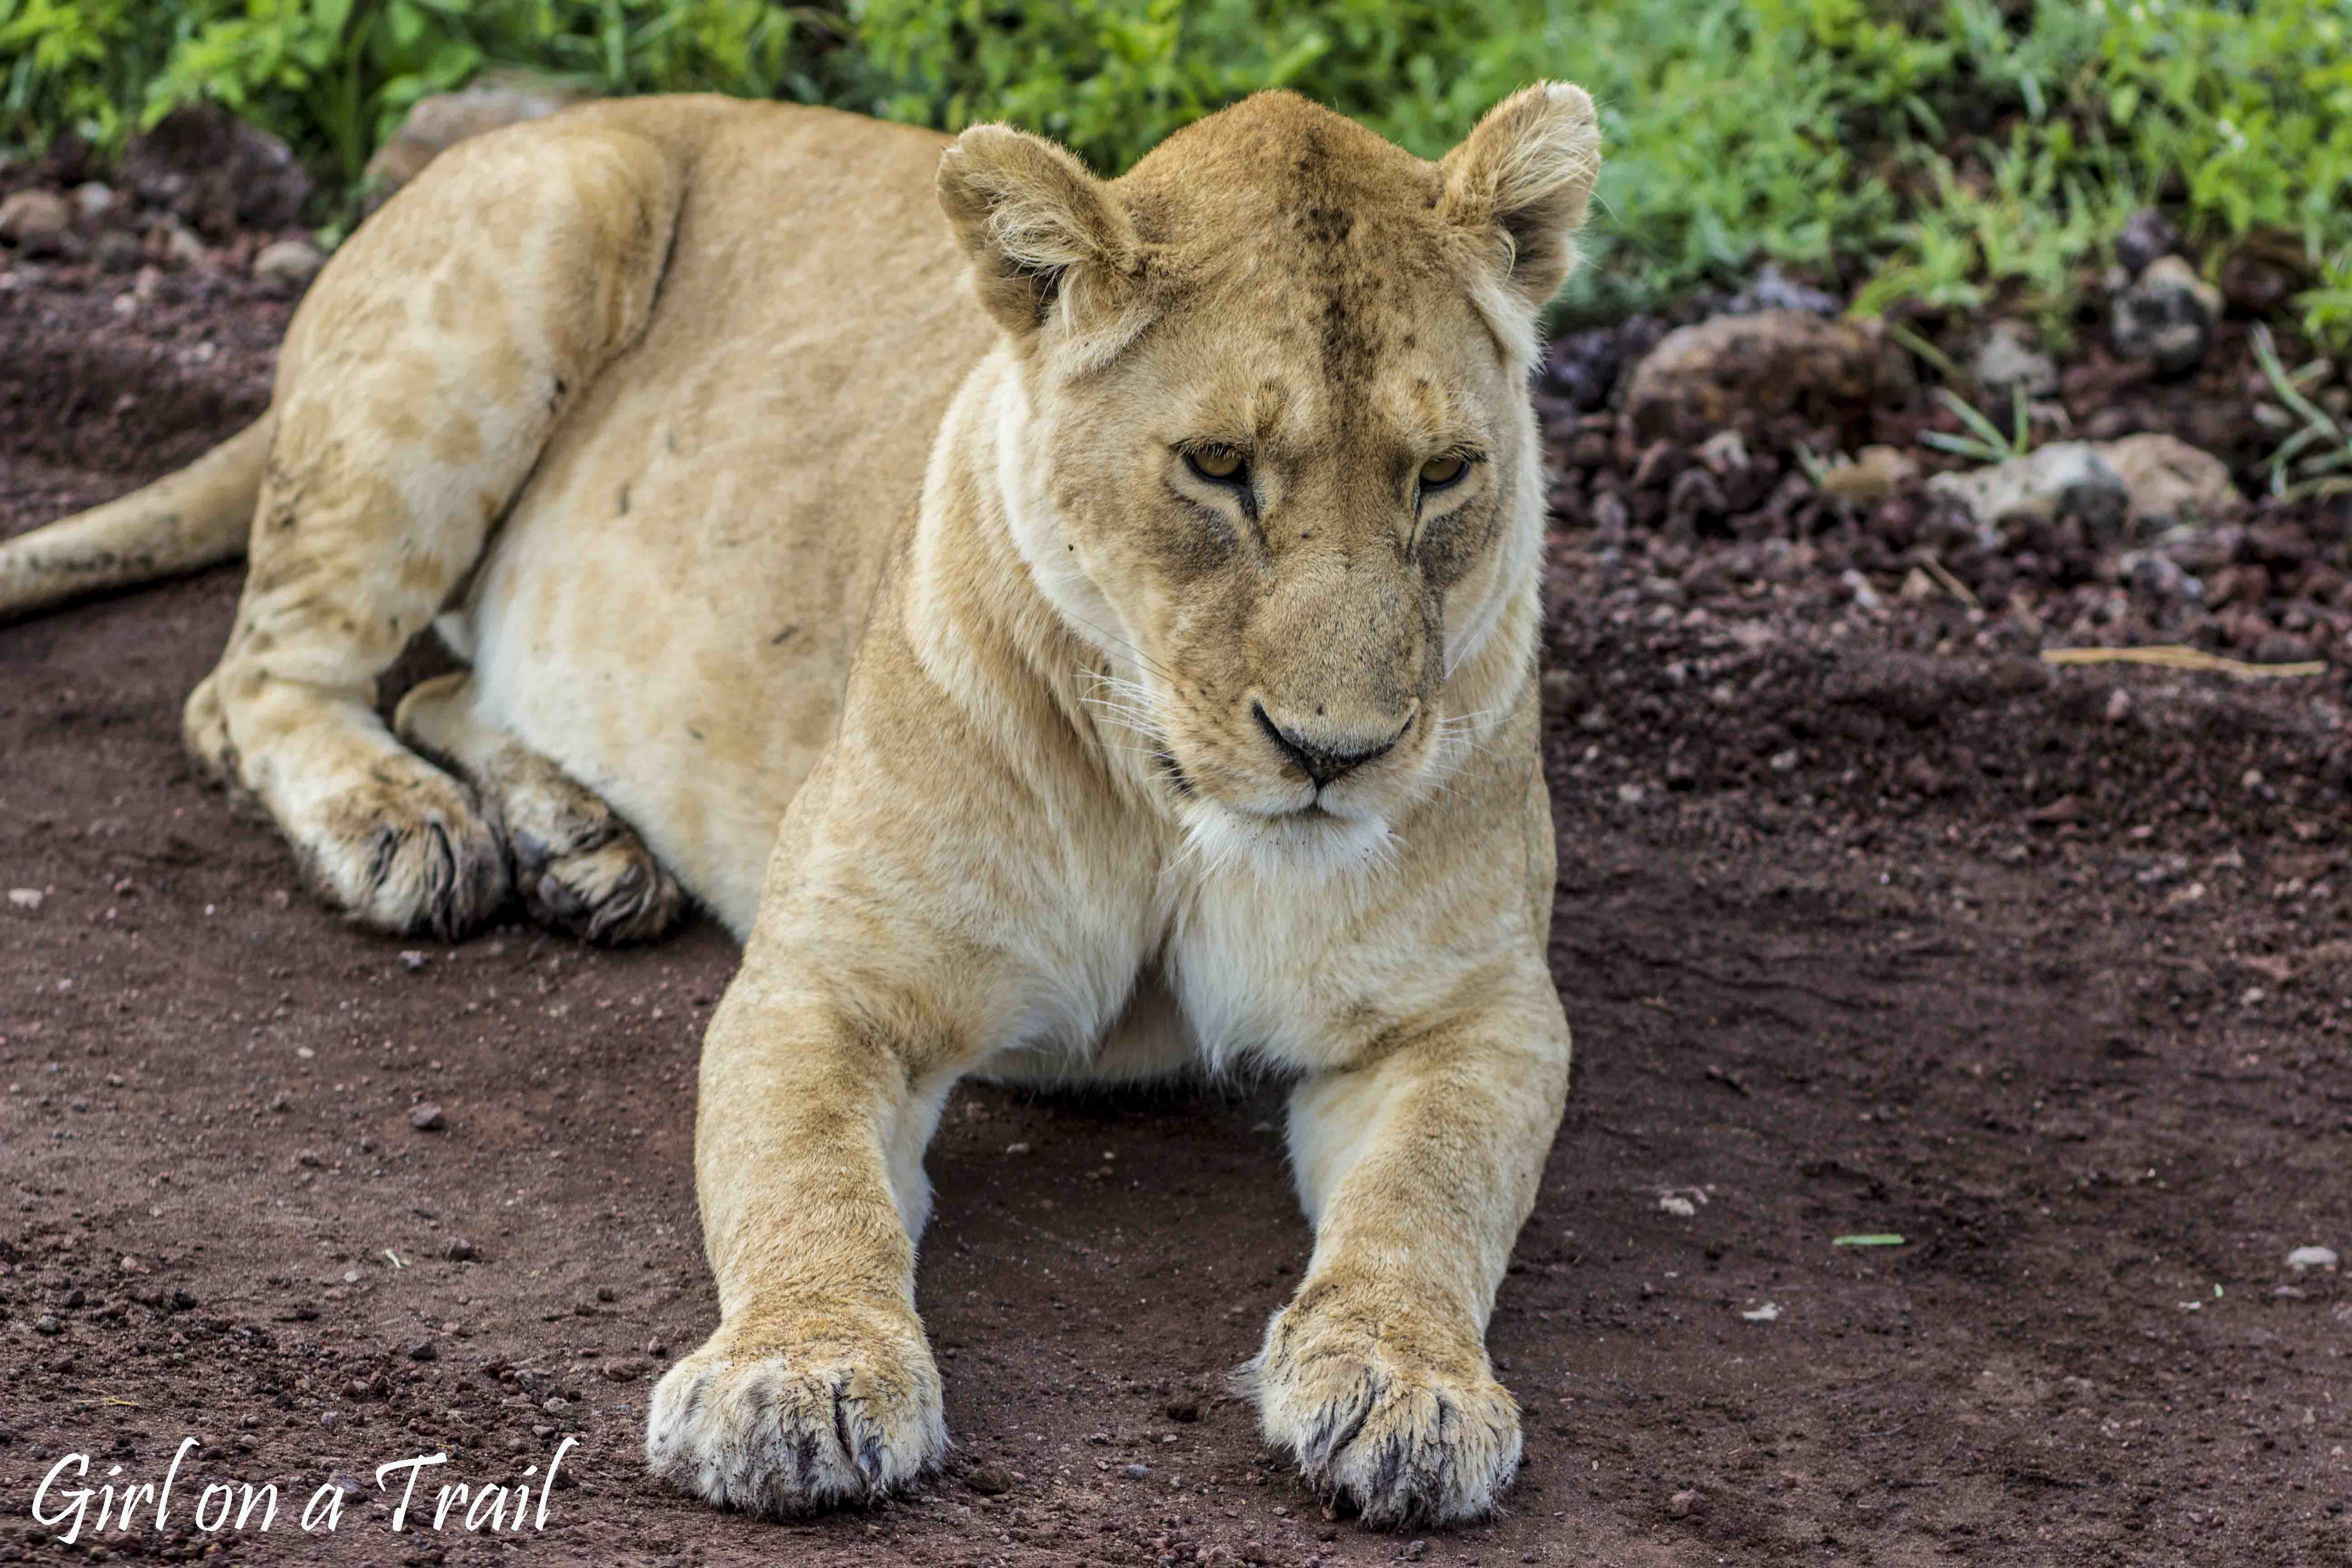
pixel 1326 757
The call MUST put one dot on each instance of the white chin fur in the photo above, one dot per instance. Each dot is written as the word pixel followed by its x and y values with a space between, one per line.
pixel 1223 841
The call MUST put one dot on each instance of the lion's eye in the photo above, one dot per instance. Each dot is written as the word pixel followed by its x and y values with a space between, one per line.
pixel 1438 472
pixel 1219 465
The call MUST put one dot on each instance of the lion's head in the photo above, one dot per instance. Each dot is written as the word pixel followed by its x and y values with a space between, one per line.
pixel 1278 462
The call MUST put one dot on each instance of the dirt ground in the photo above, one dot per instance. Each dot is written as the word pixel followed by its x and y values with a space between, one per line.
pixel 1866 924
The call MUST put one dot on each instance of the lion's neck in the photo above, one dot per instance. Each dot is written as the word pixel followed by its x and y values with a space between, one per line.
pixel 1010 627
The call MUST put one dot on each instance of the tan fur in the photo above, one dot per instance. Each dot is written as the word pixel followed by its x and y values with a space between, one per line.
pixel 1088 765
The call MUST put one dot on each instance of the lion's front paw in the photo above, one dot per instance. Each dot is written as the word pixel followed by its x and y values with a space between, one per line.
pixel 1406 1438
pixel 405 851
pixel 783 1428
pixel 610 891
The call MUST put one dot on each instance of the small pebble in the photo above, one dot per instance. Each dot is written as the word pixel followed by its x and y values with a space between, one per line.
pixel 989 1480
pixel 2305 1257
pixel 27 899
pixel 1136 1472
pixel 423 1350
pixel 288 262
pixel 425 1118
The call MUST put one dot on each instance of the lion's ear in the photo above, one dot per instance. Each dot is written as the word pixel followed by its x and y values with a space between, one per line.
pixel 1528 171
pixel 1045 238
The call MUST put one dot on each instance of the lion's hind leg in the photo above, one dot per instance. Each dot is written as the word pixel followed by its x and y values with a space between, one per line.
pixel 419 382
pixel 578 866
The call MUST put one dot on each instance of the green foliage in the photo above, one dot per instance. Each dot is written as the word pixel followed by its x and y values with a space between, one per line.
pixel 1724 125
pixel 334 76
pixel 2248 108
pixel 1941 154
pixel 75 65
pixel 1958 154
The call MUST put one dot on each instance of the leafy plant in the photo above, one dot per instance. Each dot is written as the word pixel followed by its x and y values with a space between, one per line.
pixel 2316 459
pixel 1986 441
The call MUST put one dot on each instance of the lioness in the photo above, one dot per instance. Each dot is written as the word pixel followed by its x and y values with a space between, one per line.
pixel 1139 666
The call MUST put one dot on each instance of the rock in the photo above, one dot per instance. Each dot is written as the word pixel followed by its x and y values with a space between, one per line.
pixel 1660 463
pixel 2007 362
pixel 446 119
pixel 94 200
pixel 2065 480
pixel 2167 481
pixel 28 900
pixel 2281 648
pixel 119 250
pixel 626 1369
pixel 1777 376
pixel 1684 1504
pixel 183 249
pixel 1136 1472
pixel 2066 810
pixel 2160 577
pixel 2167 316
pixel 2148 235
pixel 425 1118
pixel 46 1324
pixel 215 172
pixel 288 263
pixel 1580 369
pixel 2266 270
pixel 1873 475
pixel 462 1251
pixel 1183 1407
pixel 31 217
pixel 989 1480
pixel 423 1350
pixel 1772 290
pixel 1693 498
pixel 2308 1257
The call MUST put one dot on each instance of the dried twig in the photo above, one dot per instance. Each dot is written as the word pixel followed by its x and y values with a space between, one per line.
pixel 1950 584
pixel 2174 656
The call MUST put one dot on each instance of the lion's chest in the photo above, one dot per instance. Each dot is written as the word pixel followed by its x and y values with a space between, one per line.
pixel 1282 981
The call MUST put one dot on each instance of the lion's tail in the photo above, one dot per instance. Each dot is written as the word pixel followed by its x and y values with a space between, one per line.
pixel 183 521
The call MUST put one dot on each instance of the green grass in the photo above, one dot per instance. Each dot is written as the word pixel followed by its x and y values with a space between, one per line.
pixel 1930 155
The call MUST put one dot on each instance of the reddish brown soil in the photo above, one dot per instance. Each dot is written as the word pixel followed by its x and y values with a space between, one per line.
pixel 1862 928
